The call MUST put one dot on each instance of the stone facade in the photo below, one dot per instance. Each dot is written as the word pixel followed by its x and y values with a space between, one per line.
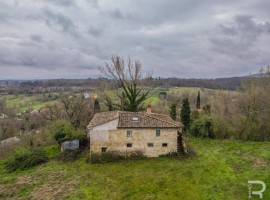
pixel 108 137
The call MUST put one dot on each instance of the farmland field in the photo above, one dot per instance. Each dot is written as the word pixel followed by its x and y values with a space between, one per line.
pixel 26 102
pixel 220 170
pixel 35 101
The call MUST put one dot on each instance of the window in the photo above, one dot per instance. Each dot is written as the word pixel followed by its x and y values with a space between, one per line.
pixel 129 144
pixel 157 133
pixel 164 144
pixel 129 133
pixel 135 119
pixel 104 149
pixel 150 144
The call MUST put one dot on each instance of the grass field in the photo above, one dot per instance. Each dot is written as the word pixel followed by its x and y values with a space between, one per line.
pixel 220 170
pixel 25 102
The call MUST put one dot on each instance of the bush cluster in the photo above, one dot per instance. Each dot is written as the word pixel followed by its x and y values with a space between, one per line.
pixel 62 131
pixel 202 127
pixel 25 158
pixel 114 157
pixel 169 155
pixel 69 155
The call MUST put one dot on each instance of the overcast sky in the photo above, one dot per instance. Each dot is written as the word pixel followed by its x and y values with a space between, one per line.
pixel 174 38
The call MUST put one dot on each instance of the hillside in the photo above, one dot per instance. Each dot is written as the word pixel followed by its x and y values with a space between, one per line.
pixel 220 170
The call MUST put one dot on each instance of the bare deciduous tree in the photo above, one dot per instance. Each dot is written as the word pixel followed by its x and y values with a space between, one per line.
pixel 52 112
pixel 77 109
pixel 131 84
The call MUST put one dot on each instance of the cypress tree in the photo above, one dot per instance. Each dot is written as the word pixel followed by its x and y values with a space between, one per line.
pixel 96 106
pixel 185 114
pixel 198 103
pixel 173 111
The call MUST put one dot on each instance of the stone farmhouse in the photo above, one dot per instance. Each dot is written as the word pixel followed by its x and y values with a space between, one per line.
pixel 120 131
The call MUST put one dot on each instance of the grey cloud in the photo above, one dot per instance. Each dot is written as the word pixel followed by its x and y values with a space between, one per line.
pixel 120 15
pixel 116 13
pixel 3 17
pixel 188 38
pixel 241 36
pixel 36 38
pixel 62 2
pixel 60 22
pixel 93 3
pixel 88 67
pixel 95 31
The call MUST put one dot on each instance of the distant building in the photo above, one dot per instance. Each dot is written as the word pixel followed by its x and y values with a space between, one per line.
pixel 90 95
pixel 93 95
pixel 86 95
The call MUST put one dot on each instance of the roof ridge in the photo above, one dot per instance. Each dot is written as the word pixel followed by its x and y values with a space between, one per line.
pixel 148 115
pixel 114 116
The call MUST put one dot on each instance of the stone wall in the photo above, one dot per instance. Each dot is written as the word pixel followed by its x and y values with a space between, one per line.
pixel 116 140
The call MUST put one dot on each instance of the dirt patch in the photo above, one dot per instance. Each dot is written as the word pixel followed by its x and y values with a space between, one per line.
pixel 10 191
pixel 53 191
pixel 259 162
pixel 7 192
pixel 23 180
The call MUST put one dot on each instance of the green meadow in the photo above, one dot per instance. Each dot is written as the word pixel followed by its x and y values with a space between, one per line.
pixel 220 170
pixel 26 102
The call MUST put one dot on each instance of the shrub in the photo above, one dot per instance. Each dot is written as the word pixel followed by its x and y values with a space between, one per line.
pixel 52 151
pixel 24 158
pixel 105 157
pixel 69 155
pixel 114 157
pixel 170 155
pixel 82 137
pixel 135 155
pixel 223 128
pixel 61 130
pixel 202 127
pixel 190 151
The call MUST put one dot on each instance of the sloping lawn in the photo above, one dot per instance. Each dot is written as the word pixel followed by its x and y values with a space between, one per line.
pixel 220 170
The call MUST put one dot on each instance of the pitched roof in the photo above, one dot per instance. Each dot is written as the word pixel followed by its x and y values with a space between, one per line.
pixel 134 120
pixel 102 118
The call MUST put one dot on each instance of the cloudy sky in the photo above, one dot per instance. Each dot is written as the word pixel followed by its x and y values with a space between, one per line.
pixel 174 38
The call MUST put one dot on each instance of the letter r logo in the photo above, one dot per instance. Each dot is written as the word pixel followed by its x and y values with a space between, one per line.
pixel 258 192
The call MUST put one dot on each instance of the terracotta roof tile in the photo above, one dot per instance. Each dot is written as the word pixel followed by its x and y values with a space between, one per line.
pixel 102 118
pixel 135 120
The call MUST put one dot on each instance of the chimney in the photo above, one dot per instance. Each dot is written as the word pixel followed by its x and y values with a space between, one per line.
pixel 149 109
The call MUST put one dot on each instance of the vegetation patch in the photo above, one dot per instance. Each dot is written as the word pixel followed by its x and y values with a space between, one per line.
pixel 70 155
pixel 53 191
pixel 107 157
pixel 24 158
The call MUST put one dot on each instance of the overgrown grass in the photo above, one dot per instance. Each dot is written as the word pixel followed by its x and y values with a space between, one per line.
pixel 220 170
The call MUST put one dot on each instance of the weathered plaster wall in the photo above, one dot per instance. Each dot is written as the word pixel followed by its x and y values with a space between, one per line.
pixel 101 133
pixel 116 140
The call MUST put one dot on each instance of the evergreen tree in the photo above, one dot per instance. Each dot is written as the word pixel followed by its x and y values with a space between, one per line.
pixel 173 111
pixel 96 106
pixel 198 103
pixel 185 114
